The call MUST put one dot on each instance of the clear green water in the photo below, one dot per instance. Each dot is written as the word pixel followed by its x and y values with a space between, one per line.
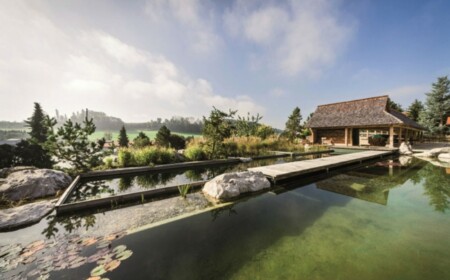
pixel 394 223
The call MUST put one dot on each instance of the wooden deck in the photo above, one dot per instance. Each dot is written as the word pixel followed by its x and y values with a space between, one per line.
pixel 292 169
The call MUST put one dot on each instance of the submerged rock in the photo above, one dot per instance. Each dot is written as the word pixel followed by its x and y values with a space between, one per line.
pixel 230 185
pixel 25 215
pixel 405 149
pixel 33 183
pixel 434 152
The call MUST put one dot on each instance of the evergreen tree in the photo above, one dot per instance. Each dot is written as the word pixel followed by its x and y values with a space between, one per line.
pixel 437 106
pixel 293 124
pixel 141 140
pixel 38 131
pixel 163 137
pixel 395 106
pixel 415 109
pixel 70 142
pixel 247 126
pixel 123 137
pixel 216 128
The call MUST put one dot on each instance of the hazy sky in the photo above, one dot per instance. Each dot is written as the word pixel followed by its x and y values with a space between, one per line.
pixel 139 60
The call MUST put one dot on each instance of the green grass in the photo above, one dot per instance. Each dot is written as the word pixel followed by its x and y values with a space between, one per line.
pixel 132 134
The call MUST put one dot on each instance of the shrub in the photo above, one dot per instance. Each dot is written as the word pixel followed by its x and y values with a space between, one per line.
pixel 177 141
pixel 124 158
pixel 195 152
pixel 145 156
pixel 32 154
pixel 6 155
pixel 141 140
pixel 377 140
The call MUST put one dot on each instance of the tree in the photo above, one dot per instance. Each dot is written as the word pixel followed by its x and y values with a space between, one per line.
pixel 247 126
pixel 6 155
pixel 217 127
pixel 293 124
pixel 163 137
pixel 437 106
pixel 395 106
pixel 141 140
pixel 28 153
pixel 415 109
pixel 123 137
pixel 70 142
pixel 264 131
pixel 38 131
pixel 177 141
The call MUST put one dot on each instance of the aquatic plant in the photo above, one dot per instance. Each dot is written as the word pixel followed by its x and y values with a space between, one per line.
pixel 184 189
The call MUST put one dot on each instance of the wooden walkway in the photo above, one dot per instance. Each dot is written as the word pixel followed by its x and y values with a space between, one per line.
pixel 291 169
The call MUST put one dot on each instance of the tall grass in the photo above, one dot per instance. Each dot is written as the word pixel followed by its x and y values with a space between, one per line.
pixel 247 147
pixel 145 156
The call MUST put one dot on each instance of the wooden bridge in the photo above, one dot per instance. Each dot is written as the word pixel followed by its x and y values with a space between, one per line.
pixel 292 169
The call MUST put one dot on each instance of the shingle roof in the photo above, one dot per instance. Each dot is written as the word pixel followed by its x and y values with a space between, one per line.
pixel 371 111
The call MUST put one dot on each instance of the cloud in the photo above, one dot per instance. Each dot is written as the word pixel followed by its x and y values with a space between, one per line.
pixel 277 92
pixel 192 17
pixel 91 68
pixel 299 37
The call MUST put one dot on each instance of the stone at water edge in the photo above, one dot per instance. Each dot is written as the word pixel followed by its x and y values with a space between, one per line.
pixel 33 183
pixel 444 157
pixel 405 149
pixel 231 185
pixel 25 215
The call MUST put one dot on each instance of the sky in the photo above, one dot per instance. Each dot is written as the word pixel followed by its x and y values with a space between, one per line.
pixel 139 60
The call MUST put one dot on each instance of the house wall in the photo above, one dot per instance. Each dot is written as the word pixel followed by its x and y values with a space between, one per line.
pixel 337 135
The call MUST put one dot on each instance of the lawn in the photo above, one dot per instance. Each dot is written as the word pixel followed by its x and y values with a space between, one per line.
pixel 132 134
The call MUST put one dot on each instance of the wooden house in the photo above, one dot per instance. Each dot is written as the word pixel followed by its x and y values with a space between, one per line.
pixel 351 123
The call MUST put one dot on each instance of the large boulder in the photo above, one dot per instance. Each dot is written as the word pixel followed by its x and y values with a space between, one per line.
pixel 25 215
pixel 231 185
pixel 405 149
pixel 445 157
pixel 33 183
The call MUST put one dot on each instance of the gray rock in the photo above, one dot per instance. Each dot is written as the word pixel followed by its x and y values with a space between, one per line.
pixel 25 215
pixel 230 185
pixel 445 157
pixel 33 183
pixel 8 170
pixel 405 149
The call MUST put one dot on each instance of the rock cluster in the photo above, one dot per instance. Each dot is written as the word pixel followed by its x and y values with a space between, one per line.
pixel 405 149
pixel 231 185
pixel 30 183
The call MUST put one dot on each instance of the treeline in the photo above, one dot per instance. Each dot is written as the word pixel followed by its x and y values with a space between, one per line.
pixel 178 124
pixel 12 134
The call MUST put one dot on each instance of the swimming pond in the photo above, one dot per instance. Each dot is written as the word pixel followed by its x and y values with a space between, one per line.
pixel 388 220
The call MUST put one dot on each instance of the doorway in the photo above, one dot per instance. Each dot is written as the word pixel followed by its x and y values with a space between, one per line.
pixel 355 137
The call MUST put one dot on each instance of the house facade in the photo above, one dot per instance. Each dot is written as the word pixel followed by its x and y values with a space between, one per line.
pixel 351 123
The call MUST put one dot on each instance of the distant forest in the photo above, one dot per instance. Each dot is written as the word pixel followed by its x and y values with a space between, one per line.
pixel 103 122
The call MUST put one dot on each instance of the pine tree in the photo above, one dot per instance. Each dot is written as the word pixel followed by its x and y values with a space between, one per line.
pixel 216 128
pixel 38 131
pixel 123 137
pixel 437 106
pixel 293 124
pixel 415 109
pixel 163 137
pixel 394 105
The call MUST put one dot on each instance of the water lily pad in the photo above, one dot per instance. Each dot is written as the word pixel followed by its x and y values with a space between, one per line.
pixel 124 255
pixel 94 278
pixel 10 250
pixel 112 265
pixel 34 244
pixel 105 259
pixel 89 241
pixel 103 244
pixel 116 235
pixel 44 276
pixel 99 270
pixel 119 249
pixel 33 272
pixel 77 262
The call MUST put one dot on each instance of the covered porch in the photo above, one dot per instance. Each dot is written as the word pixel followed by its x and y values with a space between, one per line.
pixel 359 136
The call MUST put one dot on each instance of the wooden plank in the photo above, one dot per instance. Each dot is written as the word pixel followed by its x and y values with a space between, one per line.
pixel 292 169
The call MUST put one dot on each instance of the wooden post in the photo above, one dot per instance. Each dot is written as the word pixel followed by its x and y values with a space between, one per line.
pixel 399 135
pixel 313 136
pixel 391 137
pixel 346 136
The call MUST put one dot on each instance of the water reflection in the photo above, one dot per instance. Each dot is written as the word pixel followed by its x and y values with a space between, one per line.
pixel 436 183
pixel 373 184
pixel 93 189
pixel 68 223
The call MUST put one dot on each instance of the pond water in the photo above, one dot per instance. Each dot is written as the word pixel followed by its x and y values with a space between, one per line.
pixel 388 220
pixel 92 189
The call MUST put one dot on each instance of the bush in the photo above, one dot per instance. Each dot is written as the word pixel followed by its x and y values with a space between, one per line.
pixel 145 156
pixel 377 140
pixel 177 141
pixel 6 155
pixel 195 152
pixel 32 154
